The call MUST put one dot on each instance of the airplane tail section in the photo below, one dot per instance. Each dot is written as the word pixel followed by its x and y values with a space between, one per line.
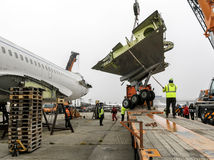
pixel 71 60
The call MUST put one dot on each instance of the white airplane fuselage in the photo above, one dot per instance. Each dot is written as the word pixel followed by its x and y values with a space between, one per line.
pixel 18 63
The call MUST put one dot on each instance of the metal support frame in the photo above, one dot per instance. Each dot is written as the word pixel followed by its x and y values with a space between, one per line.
pixel 140 137
pixel 147 79
pixel 46 124
pixel 67 121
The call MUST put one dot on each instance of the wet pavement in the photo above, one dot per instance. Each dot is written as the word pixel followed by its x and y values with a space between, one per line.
pixel 89 142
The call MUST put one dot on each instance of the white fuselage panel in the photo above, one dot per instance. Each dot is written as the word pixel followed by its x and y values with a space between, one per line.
pixel 15 60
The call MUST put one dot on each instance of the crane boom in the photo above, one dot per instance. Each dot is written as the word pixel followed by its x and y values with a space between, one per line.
pixel 204 12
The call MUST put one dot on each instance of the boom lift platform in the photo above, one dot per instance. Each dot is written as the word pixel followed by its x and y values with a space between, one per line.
pixel 204 12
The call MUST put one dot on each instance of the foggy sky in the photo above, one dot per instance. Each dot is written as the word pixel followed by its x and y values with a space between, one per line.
pixel 54 28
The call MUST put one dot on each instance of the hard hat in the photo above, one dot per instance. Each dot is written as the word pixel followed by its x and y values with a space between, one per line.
pixel 171 80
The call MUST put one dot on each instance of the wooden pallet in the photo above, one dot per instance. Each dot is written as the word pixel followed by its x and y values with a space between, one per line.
pixel 25 97
pixel 26 101
pixel 25 89
pixel 26 93
pixel 30 145
pixel 19 103
pixel 26 124
pixel 25 129
pixel 34 147
pixel 28 137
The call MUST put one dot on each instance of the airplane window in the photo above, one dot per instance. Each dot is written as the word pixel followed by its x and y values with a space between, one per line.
pixel 43 66
pixel 35 63
pixel 26 59
pixel 16 55
pixel 10 53
pixel 39 64
pixel 3 49
pixel 21 57
pixel 31 61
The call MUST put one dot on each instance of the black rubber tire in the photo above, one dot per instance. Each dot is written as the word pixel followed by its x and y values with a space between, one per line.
pixel 152 95
pixel 126 103
pixel 135 99
pixel 144 94
pixel 211 121
pixel 203 119
pixel 132 106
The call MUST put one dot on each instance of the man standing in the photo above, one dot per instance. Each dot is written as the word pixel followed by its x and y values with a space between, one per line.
pixel 114 113
pixel 191 111
pixel 186 111
pixel 170 90
pixel 123 110
pixel 101 113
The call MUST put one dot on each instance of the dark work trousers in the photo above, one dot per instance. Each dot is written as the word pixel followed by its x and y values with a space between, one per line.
pixel 148 104
pixel 192 115
pixel 170 101
pixel 101 120
pixel 122 117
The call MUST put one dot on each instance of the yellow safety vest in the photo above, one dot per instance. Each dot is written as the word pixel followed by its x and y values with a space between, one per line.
pixel 170 90
pixel 101 112
pixel 123 110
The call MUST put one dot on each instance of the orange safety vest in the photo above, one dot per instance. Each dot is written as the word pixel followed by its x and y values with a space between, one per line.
pixel 67 112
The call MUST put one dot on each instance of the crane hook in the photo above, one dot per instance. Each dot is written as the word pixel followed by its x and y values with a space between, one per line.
pixel 136 8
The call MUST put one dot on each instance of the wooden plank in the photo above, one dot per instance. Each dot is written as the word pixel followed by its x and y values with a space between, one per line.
pixel 176 146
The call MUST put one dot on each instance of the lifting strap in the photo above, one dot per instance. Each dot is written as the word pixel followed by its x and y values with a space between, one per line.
pixel 144 67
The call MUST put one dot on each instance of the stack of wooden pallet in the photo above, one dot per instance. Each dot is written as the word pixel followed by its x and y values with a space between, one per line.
pixel 25 122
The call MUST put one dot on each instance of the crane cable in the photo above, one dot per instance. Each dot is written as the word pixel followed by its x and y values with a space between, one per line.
pixel 136 8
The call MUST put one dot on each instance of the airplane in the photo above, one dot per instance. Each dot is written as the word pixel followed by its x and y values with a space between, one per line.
pixel 21 68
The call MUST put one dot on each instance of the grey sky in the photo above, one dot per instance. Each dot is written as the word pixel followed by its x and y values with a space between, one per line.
pixel 52 28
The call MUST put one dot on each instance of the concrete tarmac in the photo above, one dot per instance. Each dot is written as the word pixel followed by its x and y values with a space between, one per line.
pixel 88 142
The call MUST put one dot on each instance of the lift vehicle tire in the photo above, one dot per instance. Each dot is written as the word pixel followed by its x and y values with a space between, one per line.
pixel 132 106
pixel 144 94
pixel 126 103
pixel 135 99
pixel 203 119
pixel 151 95
pixel 211 121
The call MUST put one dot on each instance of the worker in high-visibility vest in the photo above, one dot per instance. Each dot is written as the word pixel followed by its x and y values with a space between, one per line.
pixel 101 113
pixel 68 116
pixel 170 90
pixel 123 111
